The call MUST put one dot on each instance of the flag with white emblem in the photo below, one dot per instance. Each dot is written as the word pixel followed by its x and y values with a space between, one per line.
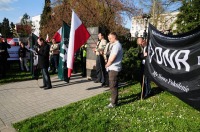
pixel 63 51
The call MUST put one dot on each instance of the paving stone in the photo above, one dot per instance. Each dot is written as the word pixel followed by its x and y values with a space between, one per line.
pixel 22 100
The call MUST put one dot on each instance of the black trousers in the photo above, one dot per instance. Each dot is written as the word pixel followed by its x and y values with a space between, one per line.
pixel 65 74
pixel 145 82
pixel 46 77
pixel 55 58
pixel 83 67
pixel 100 68
pixel 35 73
pixel 113 84
pixel 3 67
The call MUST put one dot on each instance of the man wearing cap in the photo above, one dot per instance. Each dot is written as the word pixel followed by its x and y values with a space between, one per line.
pixel 3 56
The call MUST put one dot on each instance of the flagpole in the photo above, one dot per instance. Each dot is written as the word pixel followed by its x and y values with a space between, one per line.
pixel 142 90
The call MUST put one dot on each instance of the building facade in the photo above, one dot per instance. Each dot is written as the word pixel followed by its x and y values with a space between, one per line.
pixel 164 23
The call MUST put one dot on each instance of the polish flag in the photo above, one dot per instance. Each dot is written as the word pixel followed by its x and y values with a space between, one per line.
pixel 57 35
pixel 11 41
pixel 78 36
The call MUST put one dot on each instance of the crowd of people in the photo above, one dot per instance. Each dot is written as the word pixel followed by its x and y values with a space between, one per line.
pixel 109 63
pixel 109 54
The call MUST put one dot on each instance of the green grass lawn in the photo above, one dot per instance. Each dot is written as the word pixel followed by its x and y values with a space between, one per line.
pixel 14 74
pixel 162 112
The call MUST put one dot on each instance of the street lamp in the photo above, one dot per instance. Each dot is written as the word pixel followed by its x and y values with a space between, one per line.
pixel 146 18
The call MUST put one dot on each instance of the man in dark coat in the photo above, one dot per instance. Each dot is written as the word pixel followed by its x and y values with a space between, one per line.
pixel 144 80
pixel 3 56
pixel 43 62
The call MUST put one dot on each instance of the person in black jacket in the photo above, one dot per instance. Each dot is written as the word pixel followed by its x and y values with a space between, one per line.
pixel 3 56
pixel 22 56
pixel 144 80
pixel 43 62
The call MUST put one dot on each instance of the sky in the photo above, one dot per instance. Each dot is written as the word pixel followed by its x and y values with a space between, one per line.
pixel 13 10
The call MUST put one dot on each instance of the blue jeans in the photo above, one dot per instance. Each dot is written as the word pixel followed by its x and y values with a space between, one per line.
pixel 56 62
pixel 46 77
pixel 147 87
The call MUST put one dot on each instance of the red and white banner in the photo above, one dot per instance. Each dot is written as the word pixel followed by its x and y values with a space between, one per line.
pixel 57 35
pixel 78 36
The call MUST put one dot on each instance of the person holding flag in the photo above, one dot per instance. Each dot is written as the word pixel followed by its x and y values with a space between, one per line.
pixel 144 80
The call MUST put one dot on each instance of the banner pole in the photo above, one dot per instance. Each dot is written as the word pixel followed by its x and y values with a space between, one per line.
pixel 142 90
pixel 31 54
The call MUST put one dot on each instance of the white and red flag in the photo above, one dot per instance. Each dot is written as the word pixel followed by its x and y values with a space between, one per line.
pixel 57 35
pixel 78 36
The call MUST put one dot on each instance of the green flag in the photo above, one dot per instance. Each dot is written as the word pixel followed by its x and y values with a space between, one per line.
pixel 62 68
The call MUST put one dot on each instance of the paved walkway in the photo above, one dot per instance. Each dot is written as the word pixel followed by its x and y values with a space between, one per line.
pixel 25 99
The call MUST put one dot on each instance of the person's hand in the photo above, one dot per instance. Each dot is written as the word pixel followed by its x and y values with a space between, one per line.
pixel 106 65
pixel 145 54
pixel 101 52
pixel 94 50
pixel 37 49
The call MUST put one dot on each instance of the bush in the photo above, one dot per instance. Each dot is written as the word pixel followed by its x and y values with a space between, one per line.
pixel 130 62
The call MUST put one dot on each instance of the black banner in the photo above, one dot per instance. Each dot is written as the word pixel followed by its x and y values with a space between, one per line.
pixel 173 63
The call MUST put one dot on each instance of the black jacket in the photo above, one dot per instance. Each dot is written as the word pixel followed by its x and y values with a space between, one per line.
pixel 22 52
pixel 3 50
pixel 43 56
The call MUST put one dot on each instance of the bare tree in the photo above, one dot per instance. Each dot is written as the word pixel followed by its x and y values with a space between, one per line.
pixel 103 13
pixel 157 7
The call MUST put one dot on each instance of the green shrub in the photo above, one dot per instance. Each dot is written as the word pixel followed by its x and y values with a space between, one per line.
pixel 130 62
